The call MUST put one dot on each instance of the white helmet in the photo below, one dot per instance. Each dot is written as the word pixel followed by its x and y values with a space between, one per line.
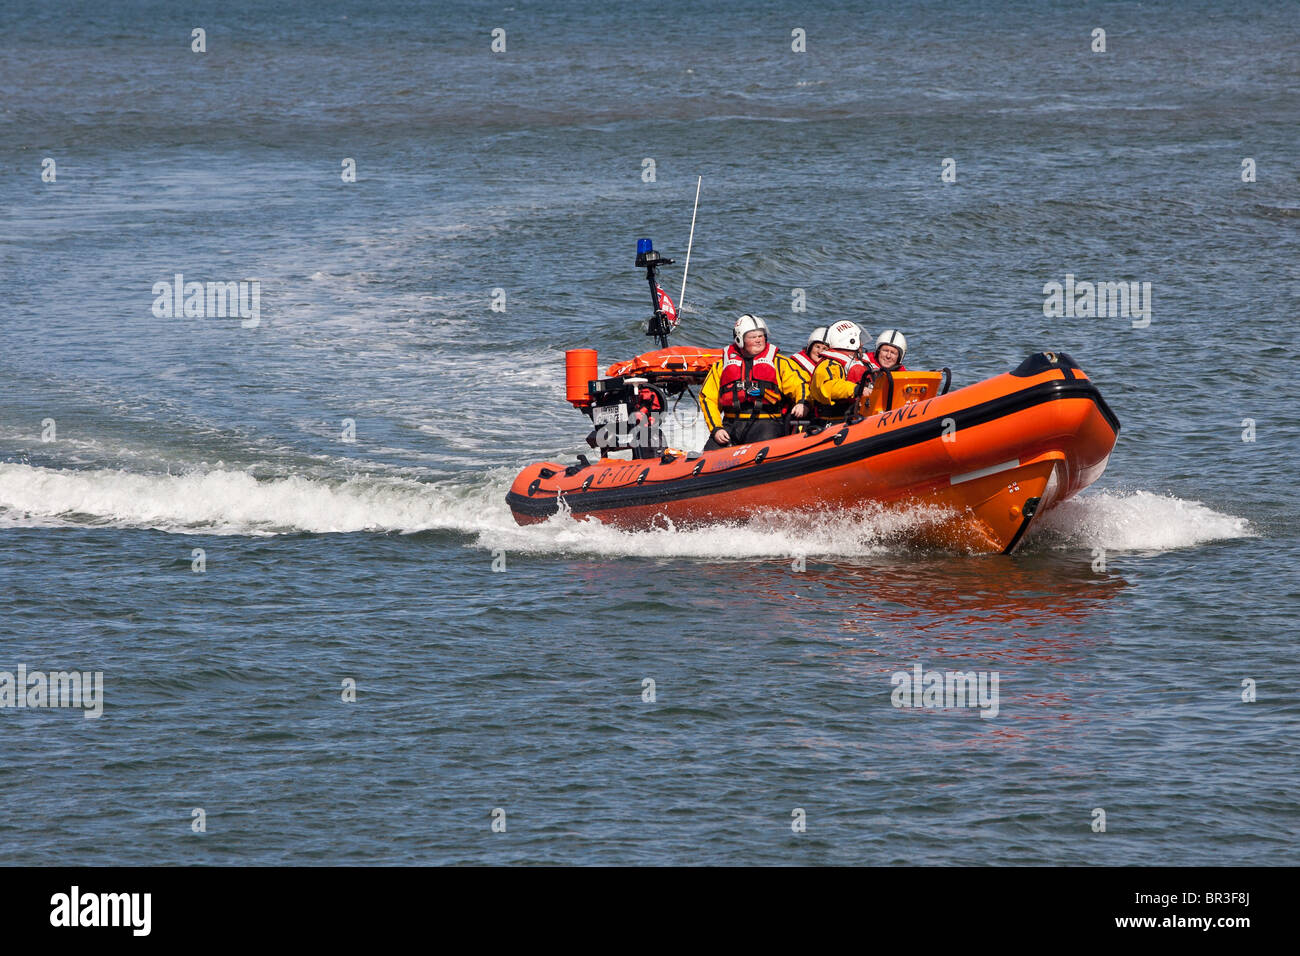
pixel 818 335
pixel 844 336
pixel 748 323
pixel 896 339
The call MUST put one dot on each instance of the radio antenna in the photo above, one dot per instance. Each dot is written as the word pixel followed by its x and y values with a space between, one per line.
pixel 682 296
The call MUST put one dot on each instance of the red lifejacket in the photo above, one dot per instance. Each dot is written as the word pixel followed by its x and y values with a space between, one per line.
pixel 853 367
pixel 741 374
pixel 804 361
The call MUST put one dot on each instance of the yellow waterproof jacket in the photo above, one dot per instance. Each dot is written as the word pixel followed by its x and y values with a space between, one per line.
pixel 804 373
pixel 793 385
pixel 829 387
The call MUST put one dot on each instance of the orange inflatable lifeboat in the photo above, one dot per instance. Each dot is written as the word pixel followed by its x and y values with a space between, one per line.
pixel 993 456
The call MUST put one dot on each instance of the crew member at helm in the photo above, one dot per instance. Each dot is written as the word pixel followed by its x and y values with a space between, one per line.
pixel 747 394
pixel 842 366
pixel 891 346
pixel 806 359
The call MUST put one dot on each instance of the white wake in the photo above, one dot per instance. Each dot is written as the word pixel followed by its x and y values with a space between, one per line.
pixel 234 502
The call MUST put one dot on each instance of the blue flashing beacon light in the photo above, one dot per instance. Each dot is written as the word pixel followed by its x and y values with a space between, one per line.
pixel 645 253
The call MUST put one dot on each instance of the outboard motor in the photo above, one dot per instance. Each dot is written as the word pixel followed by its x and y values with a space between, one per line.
pixel 626 413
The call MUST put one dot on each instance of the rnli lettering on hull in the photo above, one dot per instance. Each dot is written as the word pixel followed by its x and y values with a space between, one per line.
pixel 914 410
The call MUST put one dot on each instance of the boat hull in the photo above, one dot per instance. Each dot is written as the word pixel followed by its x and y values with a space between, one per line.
pixel 993 456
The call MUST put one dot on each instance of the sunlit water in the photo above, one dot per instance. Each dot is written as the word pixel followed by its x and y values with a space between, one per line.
pixel 1121 634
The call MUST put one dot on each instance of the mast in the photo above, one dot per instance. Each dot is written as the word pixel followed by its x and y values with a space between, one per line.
pixel 648 259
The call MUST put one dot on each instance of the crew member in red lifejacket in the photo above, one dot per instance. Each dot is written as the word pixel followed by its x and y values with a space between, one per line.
pixel 842 366
pixel 806 359
pixel 891 346
pixel 747 394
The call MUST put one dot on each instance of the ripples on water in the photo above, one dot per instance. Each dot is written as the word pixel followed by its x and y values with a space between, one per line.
pixel 1121 633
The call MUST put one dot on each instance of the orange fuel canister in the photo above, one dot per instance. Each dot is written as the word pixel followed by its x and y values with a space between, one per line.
pixel 579 369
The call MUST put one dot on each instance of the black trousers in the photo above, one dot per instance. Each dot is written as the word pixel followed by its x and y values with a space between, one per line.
pixel 747 431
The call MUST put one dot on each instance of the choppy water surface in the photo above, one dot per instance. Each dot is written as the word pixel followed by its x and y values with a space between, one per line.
pixel 1121 634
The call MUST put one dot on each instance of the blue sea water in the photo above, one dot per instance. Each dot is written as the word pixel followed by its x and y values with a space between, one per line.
pixel 1121 634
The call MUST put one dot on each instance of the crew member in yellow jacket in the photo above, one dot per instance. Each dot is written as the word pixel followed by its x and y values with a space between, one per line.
pixel 843 364
pixel 747 393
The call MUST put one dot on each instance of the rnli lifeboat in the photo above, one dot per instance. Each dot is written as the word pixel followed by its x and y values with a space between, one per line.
pixel 989 458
